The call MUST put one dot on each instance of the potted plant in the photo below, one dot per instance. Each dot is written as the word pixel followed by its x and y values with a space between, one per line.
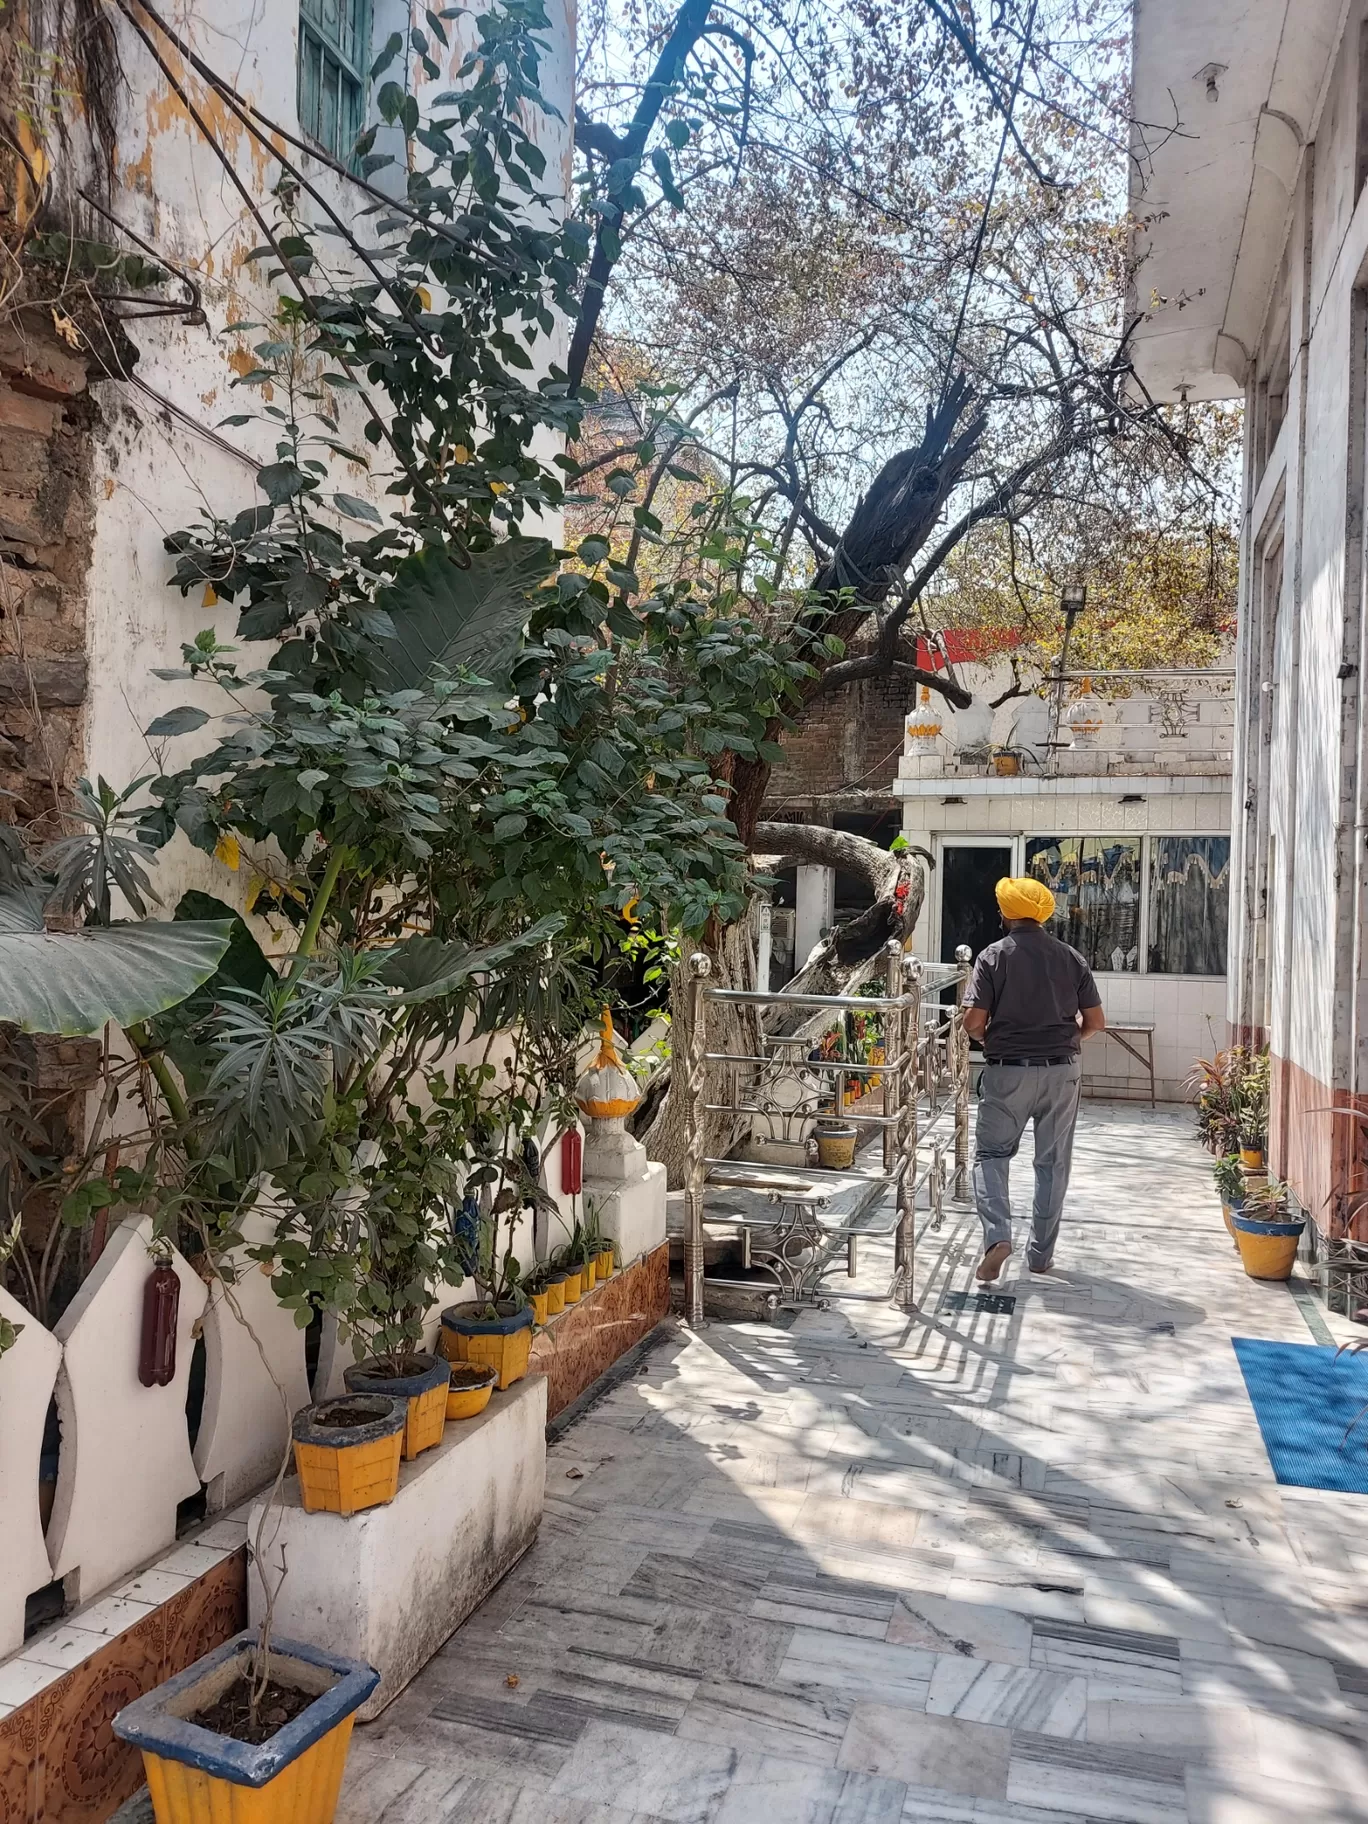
pixel 1230 1184
pixel 1251 1111
pixel 347 1451
pixel 536 1288
pixel 1007 761
pixel 271 1722
pixel 1266 1233
pixel 469 1387
pixel 836 1143
pixel 497 1328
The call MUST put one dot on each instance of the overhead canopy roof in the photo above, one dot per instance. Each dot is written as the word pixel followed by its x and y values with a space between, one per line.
pixel 1224 92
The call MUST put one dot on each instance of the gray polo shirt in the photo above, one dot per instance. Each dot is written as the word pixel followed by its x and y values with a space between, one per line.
pixel 1032 988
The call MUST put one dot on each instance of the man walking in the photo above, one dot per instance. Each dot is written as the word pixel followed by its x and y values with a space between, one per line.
pixel 1031 1001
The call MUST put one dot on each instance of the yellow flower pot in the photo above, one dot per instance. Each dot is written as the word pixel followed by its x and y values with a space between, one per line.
pixel 1251 1158
pixel 1267 1249
pixel 555 1295
pixel 344 1470
pixel 503 1343
pixel 574 1286
pixel 589 1271
pixel 539 1308
pixel 469 1398
pixel 424 1390
pixel 294 1777
pixel 605 1264
pixel 836 1148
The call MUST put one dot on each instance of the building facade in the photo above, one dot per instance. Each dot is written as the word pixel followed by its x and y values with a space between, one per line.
pixel 1252 282
pixel 1117 796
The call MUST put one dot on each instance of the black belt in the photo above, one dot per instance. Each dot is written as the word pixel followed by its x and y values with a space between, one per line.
pixel 1069 1059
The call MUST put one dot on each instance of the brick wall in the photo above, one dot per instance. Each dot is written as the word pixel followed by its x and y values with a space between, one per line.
pixel 850 740
pixel 45 549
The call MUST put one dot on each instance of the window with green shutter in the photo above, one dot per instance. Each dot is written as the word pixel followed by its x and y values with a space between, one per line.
pixel 334 54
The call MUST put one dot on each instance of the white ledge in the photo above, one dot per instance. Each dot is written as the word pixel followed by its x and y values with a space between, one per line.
pixel 1068 785
pixel 390 1585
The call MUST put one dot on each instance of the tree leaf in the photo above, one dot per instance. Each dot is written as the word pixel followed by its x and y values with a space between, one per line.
pixel 357 509
pixel 181 721
pixel 444 615
pixel 74 982
pixel 425 967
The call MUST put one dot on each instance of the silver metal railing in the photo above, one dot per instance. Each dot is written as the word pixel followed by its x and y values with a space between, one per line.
pixel 924 1074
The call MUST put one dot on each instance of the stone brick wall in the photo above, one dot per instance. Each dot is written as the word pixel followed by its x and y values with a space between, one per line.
pixel 849 741
pixel 45 547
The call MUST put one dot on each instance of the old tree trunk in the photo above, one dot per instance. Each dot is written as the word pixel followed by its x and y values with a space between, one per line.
pixel 859 579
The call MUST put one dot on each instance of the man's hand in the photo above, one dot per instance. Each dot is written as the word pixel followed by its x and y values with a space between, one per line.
pixel 1094 1020
pixel 976 1022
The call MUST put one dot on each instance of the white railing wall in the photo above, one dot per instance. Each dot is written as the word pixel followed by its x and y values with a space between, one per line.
pixel 127 1459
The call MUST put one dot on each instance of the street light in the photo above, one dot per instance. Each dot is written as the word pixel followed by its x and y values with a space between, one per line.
pixel 1073 599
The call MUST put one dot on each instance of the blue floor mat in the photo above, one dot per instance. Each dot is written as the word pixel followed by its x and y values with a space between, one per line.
pixel 1305 1397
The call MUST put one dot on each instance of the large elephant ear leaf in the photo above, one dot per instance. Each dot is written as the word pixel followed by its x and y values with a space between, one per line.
pixel 473 617
pixel 75 982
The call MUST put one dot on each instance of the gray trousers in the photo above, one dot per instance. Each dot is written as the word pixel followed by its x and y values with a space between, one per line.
pixel 1010 1095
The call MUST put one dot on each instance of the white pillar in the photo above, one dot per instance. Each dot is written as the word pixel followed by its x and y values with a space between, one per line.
pixel 764 943
pixel 816 908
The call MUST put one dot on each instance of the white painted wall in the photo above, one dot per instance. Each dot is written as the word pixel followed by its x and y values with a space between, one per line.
pixel 158 468
pixel 1187 1012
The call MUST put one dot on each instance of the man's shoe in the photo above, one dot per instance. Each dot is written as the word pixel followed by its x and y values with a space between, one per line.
pixel 992 1263
pixel 1040 1266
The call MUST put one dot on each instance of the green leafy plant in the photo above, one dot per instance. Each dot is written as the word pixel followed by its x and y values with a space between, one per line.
pixel 1229 1177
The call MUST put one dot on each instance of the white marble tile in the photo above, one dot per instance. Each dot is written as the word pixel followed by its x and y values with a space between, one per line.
pixel 21 1679
pixel 973 1630
pixel 858 1667
pixel 1014 1697
pixel 938 1751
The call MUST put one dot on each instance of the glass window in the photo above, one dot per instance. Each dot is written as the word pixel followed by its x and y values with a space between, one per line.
pixel 334 51
pixel 1096 884
pixel 1189 904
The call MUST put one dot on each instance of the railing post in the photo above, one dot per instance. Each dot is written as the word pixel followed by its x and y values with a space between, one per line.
pixel 700 968
pixel 906 1245
pixel 964 956
pixel 894 1088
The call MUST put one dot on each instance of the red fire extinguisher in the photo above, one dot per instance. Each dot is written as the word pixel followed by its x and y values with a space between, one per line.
pixel 572 1162
pixel 161 1303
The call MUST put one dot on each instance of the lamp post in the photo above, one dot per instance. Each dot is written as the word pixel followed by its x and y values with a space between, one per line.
pixel 1073 598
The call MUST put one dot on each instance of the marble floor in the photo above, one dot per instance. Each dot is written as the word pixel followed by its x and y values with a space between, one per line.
pixel 1029 1567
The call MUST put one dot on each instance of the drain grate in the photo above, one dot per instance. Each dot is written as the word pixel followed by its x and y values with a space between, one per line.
pixel 996 1304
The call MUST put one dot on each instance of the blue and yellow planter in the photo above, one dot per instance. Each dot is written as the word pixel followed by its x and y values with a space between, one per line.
pixel 1267 1249
pixel 426 1393
pixel 197 1776
pixel 504 1343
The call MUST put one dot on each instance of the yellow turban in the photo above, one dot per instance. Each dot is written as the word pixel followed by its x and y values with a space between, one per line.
pixel 1025 898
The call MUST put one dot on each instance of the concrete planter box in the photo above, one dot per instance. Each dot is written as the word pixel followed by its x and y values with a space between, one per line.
pixel 390 1585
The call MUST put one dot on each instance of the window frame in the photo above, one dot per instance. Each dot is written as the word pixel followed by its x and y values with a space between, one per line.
pixel 312 34
pixel 1017 840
